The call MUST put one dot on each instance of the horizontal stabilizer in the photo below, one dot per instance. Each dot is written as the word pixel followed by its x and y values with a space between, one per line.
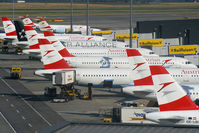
pixel 171 119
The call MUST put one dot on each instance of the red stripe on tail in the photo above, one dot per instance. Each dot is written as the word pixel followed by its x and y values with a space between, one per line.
pixel 132 52
pixel 13 33
pixel 64 53
pixel 144 81
pixel 157 70
pixel 5 19
pixel 165 85
pixel 31 24
pixel 47 27
pixel 35 46
pixel 184 103
pixel 48 33
pixel 28 28
pixel 44 41
pixel 138 65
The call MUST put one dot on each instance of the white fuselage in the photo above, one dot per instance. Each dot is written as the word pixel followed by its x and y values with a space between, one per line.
pixel 123 62
pixel 188 117
pixel 81 28
pixel 74 41
pixel 120 77
pixel 77 37
pixel 96 52
pixel 93 44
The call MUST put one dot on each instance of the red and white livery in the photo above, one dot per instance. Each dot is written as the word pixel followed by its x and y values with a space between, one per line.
pixel 176 107
pixel 10 30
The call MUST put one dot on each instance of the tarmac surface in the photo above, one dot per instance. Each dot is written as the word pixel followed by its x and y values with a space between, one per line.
pixel 109 22
pixel 25 108
pixel 22 111
pixel 117 22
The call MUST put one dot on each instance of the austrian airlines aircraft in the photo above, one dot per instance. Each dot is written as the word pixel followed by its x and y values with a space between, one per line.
pixel 53 62
pixel 83 51
pixel 66 37
pixel 63 28
pixel 76 41
pixel 86 44
pixel 144 87
pixel 113 62
pixel 175 105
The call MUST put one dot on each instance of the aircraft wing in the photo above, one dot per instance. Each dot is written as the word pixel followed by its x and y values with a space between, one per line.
pixel 9 38
pixel 47 29
pixel 22 44
pixel 34 53
pixel 171 119
pixel 143 92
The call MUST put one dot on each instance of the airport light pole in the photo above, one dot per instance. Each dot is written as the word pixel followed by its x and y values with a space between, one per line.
pixel 13 9
pixel 71 15
pixel 87 17
pixel 130 42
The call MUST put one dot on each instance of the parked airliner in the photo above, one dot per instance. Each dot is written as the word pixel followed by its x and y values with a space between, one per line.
pixel 175 105
pixel 87 75
pixel 34 50
pixel 113 62
pixel 43 25
pixel 53 62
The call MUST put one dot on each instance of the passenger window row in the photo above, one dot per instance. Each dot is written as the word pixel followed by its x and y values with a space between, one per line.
pixel 100 53
pixel 190 93
pixel 110 63
pixel 104 75
pixel 176 75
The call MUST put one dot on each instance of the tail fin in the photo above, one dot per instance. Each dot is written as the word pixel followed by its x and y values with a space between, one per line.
pixel 9 27
pixel 170 95
pixel 57 44
pixel 20 30
pixel 44 25
pixel 32 37
pixel 141 66
pixel 26 20
pixel 51 58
